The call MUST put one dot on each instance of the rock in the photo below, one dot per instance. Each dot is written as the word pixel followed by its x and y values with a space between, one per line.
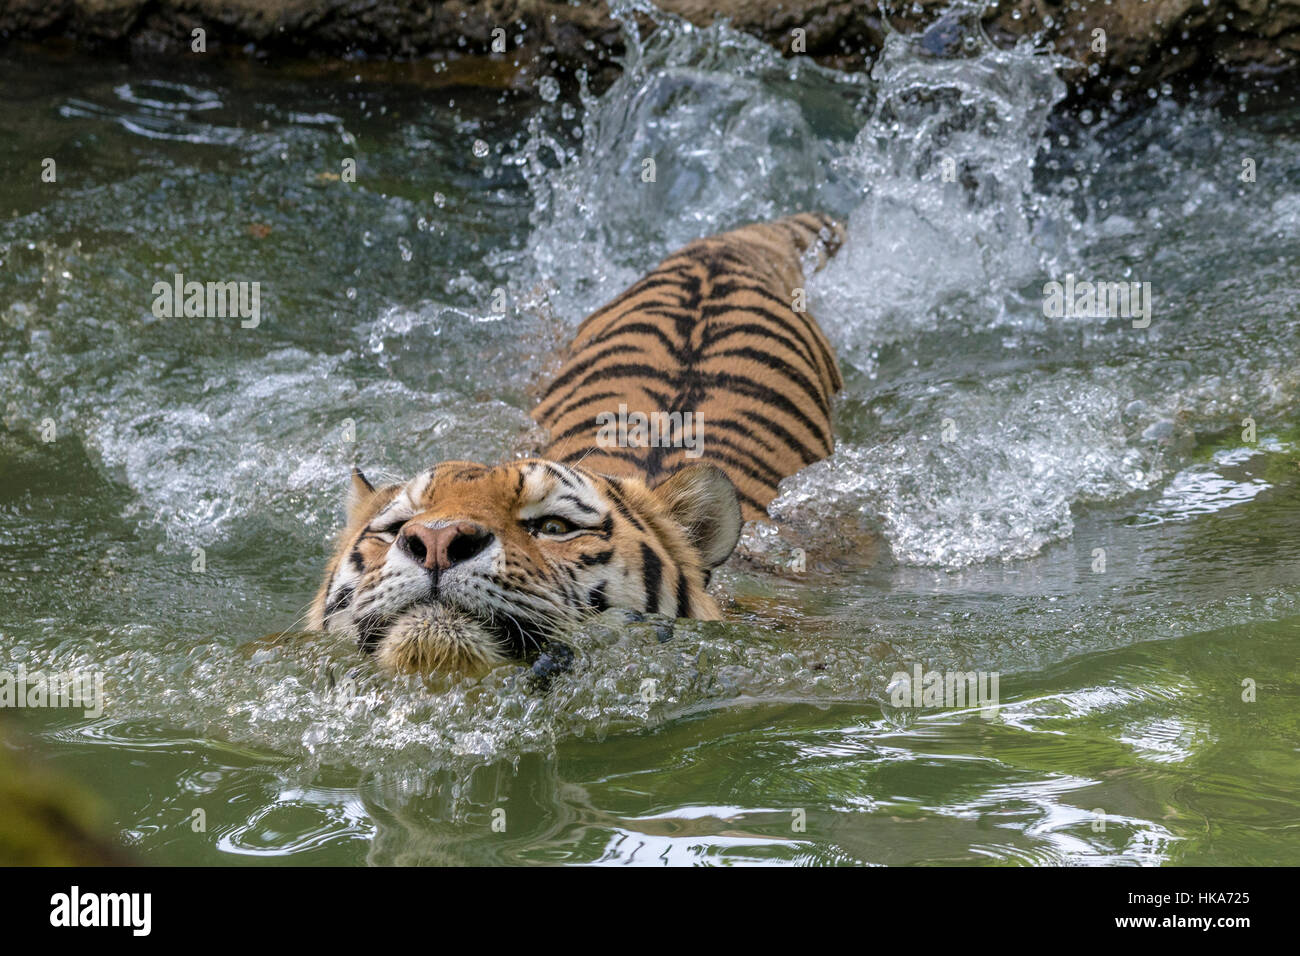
pixel 1144 42
pixel 556 658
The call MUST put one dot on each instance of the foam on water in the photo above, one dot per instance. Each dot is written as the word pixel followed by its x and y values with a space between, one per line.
pixel 273 436
pixel 735 134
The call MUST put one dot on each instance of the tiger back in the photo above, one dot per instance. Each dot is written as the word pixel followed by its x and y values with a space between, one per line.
pixel 708 358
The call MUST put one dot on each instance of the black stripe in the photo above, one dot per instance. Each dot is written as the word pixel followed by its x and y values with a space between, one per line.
pixel 781 367
pixel 683 596
pixel 619 370
pixel 726 261
pixel 795 345
pixel 596 375
pixel 615 491
pixel 799 448
pixel 804 318
pixel 653 469
pixel 596 598
pixel 558 475
pixel 583 426
pixel 770 396
pixel 759 470
pixel 652 570
pixel 585 507
pixel 715 310
pixel 664 275
pixel 727 425
pixel 623 454
pixel 578 368
pixel 558 414
pixel 341 600
pixel 726 462
pixel 675 349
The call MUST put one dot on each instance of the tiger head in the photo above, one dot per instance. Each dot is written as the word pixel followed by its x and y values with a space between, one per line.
pixel 465 566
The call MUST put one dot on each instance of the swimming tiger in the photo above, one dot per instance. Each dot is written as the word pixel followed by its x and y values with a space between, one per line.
pixel 678 409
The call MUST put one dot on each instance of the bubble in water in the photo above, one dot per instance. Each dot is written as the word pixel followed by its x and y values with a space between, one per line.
pixel 742 138
pixel 548 88
pixel 480 148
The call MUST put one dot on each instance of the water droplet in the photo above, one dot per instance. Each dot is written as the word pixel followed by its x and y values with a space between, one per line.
pixel 548 88
pixel 480 148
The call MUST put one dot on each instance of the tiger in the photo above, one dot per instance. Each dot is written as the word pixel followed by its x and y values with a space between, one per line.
pixel 468 566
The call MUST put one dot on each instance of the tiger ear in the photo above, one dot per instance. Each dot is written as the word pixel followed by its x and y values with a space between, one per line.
pixel 702 499
pixel 360 491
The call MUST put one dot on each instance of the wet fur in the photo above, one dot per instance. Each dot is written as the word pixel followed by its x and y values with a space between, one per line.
pixel 642 549
pixel 713 331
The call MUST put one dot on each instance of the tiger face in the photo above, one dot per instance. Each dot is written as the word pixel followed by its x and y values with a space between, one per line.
pixel 466 566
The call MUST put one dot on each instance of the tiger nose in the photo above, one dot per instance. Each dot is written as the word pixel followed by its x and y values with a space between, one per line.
pixel 440 548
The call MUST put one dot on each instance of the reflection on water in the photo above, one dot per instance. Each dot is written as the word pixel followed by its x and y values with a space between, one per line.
pixel 1071 503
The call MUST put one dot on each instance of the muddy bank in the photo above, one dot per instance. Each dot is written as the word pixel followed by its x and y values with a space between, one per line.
pixel 1143 43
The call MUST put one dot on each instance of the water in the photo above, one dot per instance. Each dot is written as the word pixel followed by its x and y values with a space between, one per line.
pixel 1066 502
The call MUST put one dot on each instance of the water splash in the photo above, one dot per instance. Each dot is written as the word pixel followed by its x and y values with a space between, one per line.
pixel 704 129
pixel 950 224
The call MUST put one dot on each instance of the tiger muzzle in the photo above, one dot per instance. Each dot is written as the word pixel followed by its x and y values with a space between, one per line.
pixel 437 549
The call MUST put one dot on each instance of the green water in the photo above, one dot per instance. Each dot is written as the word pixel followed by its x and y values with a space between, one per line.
pixel 1148 705
pixel 1153 736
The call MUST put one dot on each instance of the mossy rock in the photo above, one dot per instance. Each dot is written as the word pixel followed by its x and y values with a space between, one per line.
pixel 46 819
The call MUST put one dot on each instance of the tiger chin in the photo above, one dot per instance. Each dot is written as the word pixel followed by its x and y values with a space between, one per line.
pixel 468 566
